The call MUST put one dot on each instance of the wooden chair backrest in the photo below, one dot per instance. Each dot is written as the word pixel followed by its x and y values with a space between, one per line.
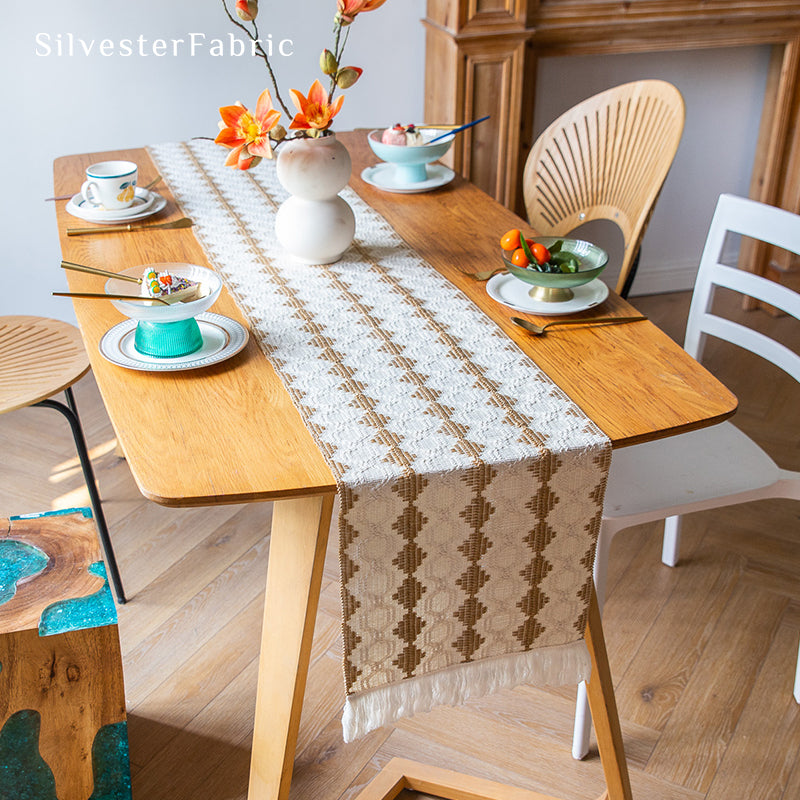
pixel 767 224
pixel 605 158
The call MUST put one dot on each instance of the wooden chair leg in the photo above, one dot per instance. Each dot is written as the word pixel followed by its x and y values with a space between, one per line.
pixel 294 576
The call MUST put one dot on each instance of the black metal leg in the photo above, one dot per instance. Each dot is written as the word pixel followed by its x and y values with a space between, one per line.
pixel 631 275
pixel 70 411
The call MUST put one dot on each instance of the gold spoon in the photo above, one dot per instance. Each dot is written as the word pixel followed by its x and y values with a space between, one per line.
pixel 486 274
pixel 102 296
pixel 538 330
pixel 152 183
pixel 69 196
pixel 95 271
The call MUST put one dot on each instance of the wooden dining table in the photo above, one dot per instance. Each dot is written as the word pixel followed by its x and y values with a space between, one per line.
pixel 235 435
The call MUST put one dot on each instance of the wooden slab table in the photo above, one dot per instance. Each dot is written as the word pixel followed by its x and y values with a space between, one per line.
pixel 236 437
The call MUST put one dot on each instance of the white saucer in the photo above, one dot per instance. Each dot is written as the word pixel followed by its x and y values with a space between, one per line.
pixel 145 204
pixel 383 176
pixel 222 338
pixel 512 292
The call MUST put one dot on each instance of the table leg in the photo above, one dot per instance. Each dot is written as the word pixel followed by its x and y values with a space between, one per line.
pixel 603 705
pixel 296 558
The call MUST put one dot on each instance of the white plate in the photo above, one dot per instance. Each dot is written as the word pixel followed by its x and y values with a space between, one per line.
pixel 383 176
pixel 222 338
pixel 145 204
pixel 512 292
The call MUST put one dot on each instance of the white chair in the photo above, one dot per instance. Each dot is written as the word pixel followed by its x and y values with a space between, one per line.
pixel 715 466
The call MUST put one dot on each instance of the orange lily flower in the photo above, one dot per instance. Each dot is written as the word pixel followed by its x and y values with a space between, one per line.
pixel 247 134
pixel 348 9
pixel 315 110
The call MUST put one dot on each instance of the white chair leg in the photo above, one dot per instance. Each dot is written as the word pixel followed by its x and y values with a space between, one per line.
pixel 583 724
pixel 672 541
pixel 796 680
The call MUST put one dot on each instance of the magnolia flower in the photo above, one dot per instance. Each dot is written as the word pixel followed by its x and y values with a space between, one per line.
pixel 315 111
pixel 247 134
pixel 349 9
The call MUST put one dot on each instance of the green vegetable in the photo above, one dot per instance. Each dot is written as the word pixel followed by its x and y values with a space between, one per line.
pixel 566 262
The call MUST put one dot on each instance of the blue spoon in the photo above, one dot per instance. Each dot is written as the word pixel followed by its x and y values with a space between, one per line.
pixel 458 130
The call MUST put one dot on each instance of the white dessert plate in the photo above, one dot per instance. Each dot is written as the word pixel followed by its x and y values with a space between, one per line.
pixel 509 291
pixel 383 176
pixel 222 338
pixel 145 204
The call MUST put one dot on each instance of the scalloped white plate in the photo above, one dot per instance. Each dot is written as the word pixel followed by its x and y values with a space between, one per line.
pixel 222 338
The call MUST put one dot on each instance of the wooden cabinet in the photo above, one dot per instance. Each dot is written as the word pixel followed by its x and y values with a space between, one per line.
pixel 481 58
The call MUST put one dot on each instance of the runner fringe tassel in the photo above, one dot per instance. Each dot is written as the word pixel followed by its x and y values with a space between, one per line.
pixel 549 666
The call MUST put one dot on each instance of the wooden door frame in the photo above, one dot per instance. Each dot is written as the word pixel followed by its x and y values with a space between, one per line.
pixel 508 37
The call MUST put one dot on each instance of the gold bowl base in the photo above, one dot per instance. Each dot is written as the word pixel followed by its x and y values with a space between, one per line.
pixel 551 294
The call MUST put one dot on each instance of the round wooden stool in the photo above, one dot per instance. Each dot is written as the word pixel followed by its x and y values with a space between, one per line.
pixel 39 358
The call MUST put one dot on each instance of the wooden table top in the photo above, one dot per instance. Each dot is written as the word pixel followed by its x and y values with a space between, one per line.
pixel 229 433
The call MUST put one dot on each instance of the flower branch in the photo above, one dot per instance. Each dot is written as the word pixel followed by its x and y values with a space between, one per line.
pixel 254 38
pixel 252 136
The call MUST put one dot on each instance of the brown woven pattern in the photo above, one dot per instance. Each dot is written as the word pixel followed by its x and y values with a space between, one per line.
pixel 470 487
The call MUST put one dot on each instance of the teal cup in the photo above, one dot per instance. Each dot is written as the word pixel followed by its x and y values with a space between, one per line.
pixel 168 339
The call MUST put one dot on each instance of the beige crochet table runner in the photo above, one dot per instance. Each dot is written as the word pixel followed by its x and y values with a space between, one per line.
pixel 470 487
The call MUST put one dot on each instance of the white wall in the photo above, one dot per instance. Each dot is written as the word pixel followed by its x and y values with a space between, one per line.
pixel 56 105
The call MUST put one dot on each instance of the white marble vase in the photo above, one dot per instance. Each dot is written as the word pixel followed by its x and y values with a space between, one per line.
pixel 314 225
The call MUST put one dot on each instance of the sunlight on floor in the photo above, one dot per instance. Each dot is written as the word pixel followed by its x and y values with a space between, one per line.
pixel 72 466
pixel 77 498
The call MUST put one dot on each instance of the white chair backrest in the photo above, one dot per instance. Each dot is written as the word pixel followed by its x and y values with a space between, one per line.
pixel 767 224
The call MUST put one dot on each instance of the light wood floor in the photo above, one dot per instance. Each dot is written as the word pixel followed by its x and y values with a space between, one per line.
pixel 703 655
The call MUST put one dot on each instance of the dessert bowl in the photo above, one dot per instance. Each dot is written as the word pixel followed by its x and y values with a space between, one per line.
pixel 556 287
pixel 410 161
pixel 167 331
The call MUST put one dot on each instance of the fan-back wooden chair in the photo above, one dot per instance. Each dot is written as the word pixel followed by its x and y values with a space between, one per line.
pixel 716 466
pixel 606 158
pixel 39 358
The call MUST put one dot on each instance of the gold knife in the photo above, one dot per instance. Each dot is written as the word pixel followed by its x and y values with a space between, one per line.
pixel 184 222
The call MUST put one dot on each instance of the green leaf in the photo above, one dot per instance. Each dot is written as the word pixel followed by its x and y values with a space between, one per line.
pixel 556 246
pixel 527 250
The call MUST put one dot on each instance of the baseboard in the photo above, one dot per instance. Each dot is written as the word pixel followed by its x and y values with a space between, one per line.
pixel 665 277
pixel 675 276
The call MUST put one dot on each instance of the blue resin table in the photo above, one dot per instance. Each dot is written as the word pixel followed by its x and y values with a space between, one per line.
pixel 61 684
